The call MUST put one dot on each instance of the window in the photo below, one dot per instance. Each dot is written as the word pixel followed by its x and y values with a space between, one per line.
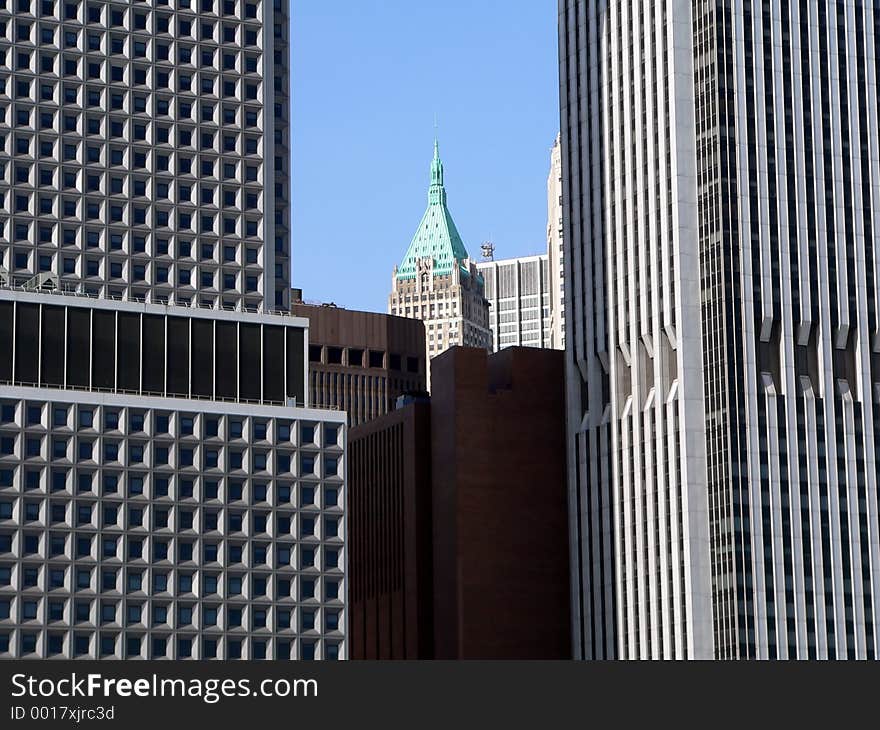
pixel 110 513
pixel 135 581
pixel 86 418
pixel 59 448
pixel 160 550
pixel 184 615
pixel 83 579
pixel 160 582
pixel 111 483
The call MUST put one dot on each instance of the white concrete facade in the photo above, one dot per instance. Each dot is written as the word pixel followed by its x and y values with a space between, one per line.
pixel 519 296
pixel 148 528
pixel 721 192
pixel 555 248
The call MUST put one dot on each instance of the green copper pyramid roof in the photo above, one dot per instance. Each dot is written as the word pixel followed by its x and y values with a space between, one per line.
pixel 437 235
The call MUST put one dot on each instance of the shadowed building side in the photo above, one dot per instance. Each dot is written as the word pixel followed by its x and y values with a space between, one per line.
pixel 477 474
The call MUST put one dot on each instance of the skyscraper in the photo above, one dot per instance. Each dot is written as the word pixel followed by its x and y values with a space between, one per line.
pixel 143 156
pixel 555 248
pixel 438 282
pixel 518 291
pixel 720 233
pixel 164 491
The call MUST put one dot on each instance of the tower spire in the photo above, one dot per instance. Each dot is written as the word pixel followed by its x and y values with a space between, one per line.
pixel 437 192
pixel 437 237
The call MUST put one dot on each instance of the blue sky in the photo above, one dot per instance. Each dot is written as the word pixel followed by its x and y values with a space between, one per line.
pixel 367 78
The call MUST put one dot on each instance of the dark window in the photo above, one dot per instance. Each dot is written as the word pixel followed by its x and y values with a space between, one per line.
pixel 52 355
pixel 203 351
pixel 154 354
pixel 27 343
pixel 103 349
pixel 78 342
pixel 273 363
pixel 226 349
pixel 178 356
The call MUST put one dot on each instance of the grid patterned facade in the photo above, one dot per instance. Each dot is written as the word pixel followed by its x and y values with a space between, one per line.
pixel 144 148
pixel 519 296
pixel 163 491
pixel 136 527
pixel 721 192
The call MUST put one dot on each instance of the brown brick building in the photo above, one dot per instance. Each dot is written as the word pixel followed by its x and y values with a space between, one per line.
pixel 390 593
pixel 489 449
pixel 360 362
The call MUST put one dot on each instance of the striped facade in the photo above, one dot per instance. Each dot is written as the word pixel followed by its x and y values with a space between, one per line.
pixel 721 165
pixel 520 301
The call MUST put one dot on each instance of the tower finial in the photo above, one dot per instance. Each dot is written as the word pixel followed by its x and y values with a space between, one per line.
pixel 437 193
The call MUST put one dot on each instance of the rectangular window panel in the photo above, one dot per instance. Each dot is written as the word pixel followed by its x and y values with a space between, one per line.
pixel 128 360
pixel 153 356
pixel 295 365
pixel 6 314
pixel 78 346
pixel 26 343
pixel 249 357
pixel 178 356
pixel 104 349
pixel 203 357
pixel 227 360
pixel 273 363
pixel 52 346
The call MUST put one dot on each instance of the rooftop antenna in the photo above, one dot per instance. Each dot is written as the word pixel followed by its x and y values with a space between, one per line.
pixel 487 248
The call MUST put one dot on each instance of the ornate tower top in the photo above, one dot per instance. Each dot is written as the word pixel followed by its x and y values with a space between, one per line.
pixel 437 237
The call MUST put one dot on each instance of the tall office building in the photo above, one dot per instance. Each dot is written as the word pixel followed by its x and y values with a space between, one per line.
pixel 142 158
pixel 519 296
pixel 555 248
pixel 164 491
pixel 438 282
pixel 720 232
